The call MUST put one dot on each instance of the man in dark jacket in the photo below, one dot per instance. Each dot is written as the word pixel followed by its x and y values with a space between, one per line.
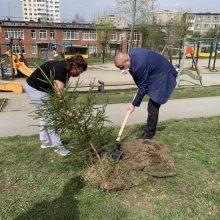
pixel 154 76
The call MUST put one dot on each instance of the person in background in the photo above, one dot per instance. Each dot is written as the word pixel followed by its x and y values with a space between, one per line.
pixel 55 54
pixel 154 76
pixel 37 88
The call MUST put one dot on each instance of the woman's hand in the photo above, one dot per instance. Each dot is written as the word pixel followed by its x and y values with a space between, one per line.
pixel 59 86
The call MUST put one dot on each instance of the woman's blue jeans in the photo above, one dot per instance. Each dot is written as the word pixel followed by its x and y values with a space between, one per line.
pixel 46 134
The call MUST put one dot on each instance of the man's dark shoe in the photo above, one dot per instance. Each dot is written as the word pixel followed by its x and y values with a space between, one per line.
pixel 145 135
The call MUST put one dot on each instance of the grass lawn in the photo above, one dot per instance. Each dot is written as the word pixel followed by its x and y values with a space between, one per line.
pixel 126 96
pixel 3 102
pixel 38 184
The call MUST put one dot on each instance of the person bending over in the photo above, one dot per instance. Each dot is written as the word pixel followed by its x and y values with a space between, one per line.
pixel 37 89
pixel 154 76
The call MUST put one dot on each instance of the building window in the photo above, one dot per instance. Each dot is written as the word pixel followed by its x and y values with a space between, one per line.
pixel 70 35
pixel 33 34
pixel 34 49
pixel 52 35
pixel 206 26
pixel 199 18
pixel 89 35
pixel 137 36
pixel 121 36
pixel 92 49
pixel 17 48
pixel 43 34
pixel 113 36
pixel 14 33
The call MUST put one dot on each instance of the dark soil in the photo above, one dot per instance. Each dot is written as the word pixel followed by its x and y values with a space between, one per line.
pixel 146 154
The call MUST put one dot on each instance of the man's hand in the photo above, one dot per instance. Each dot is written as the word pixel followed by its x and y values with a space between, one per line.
pixel 131 108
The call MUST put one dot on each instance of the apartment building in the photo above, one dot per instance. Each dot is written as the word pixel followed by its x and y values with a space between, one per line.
pixel 116 21
pixel 198 22
pixel 34 37
pixel 41 10
pixel 202 22
pixel 165 17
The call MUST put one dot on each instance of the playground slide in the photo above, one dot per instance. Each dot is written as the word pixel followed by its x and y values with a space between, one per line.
pixel 19 63
pixel 23 68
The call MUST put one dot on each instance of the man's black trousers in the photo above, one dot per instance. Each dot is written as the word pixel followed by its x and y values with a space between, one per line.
pixel 153 113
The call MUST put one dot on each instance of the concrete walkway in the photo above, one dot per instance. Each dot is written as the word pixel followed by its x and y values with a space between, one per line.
pixel 16 120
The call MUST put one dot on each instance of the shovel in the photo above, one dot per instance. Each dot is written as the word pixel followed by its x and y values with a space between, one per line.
pixel 116 153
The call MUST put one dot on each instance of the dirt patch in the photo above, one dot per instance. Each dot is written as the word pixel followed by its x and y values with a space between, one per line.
pixel 146 154
pixel 110 175
pixel 138 155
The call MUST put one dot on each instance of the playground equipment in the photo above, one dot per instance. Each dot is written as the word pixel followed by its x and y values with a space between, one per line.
pixel 183 52
pixel 182 71
pixel 67 50
pixel 17 62
pixel 11 87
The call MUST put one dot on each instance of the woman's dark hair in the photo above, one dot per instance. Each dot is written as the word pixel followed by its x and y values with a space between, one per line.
pixel 76 61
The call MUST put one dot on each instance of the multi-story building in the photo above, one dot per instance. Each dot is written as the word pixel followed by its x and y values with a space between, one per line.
pixel 165 17
pixel 202 22
pixel 34 37
pixel 41 10
pixel 198 22
pixel 116 21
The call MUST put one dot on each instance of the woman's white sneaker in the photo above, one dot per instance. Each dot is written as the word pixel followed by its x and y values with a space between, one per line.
pixel 45 144
pixel 61 150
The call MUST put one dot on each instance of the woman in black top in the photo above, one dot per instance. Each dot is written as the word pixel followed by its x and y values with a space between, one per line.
pixel 37 88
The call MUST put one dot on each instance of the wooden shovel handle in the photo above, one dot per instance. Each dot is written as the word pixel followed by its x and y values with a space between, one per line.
pixel 123 125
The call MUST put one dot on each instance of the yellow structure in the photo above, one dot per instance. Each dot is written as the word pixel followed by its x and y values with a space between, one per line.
pixel 11 87
pixel 74 50
pixel 21 66
pixel 18 64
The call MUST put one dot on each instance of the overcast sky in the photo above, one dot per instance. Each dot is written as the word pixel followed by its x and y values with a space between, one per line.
pixel 89 9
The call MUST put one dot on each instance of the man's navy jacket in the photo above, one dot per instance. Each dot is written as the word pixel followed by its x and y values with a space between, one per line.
pixel 153 74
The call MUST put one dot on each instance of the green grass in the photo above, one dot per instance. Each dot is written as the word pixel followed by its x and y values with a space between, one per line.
pixel 126 96
pixel 92 60
pixel 38 184
pixel 32 62
pixel 3 102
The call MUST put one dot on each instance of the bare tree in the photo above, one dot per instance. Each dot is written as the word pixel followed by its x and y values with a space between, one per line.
pixel 104 30
pixel 136 12
pixel 181 25
pixel 78 19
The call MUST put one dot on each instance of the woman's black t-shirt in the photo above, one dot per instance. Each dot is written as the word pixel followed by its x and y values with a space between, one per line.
pixel 53 70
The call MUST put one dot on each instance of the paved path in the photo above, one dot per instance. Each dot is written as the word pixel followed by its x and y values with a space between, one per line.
pixel 16 120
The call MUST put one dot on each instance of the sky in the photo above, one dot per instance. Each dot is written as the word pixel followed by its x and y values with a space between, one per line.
pixel 89 9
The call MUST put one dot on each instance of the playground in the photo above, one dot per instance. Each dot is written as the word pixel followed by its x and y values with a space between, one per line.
pixel 191 58
pixel 13 64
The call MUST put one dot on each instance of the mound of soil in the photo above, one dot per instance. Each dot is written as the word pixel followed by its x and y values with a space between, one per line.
pixel 138 155
pixel 146 154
